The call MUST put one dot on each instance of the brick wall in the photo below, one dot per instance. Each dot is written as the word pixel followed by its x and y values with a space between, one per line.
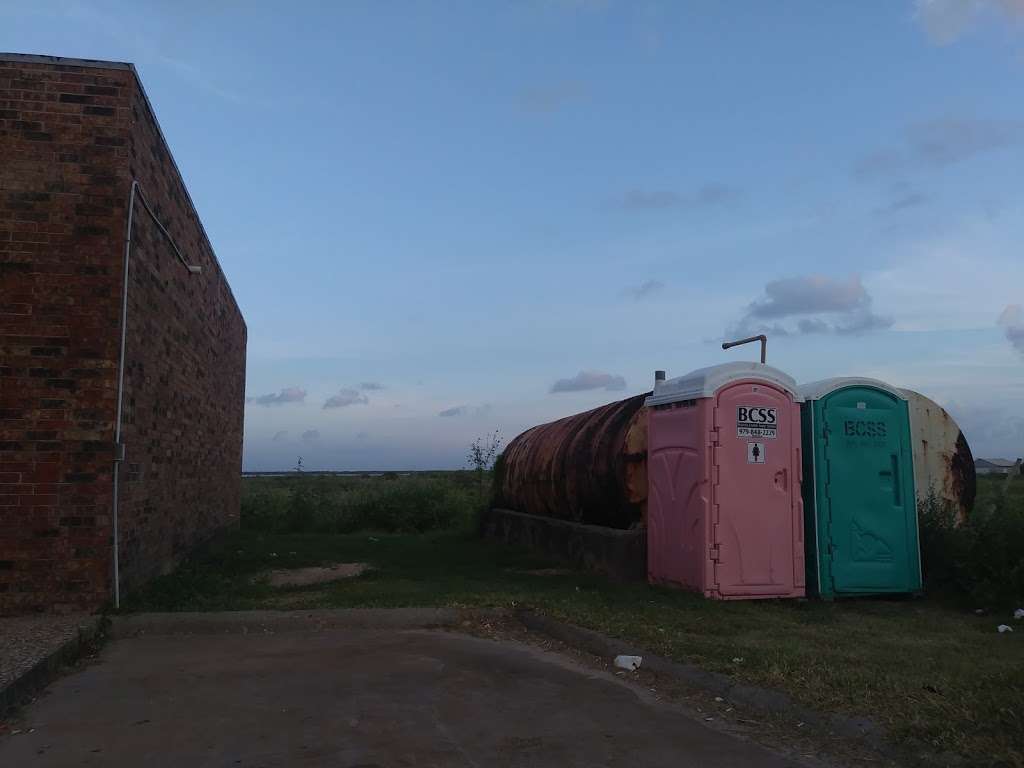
pixel 72 137
pixel 184 377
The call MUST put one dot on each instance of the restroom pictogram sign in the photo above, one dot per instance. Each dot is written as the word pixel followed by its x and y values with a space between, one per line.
pixel 755 453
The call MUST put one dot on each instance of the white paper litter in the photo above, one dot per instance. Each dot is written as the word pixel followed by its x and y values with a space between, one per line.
pixel 1005 628
pixel 632 663
pixel 1019 613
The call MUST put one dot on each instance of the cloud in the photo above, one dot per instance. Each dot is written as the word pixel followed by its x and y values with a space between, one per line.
pixel 809 325
pixel 286 395
pixel 311 435
pixel 715 194
pixel 993 431
pixel 583 5
pixel 588 380
pixel 1012 315
pixel 1015 335
pixel 903 200
pixel 944 21
pixel 196 76
pixel 644 290
pixel 146 48
pixel 708 195
pixel 1012 319
pixel 371 386
pixel 649 200
pixel 805 295
pixel 547 99
pixel 863 322
pixel 280 437
pixel 818 304
pixel 937 144
pixel 948 141
pixel 346 397
pixel 879 163
pixel 465 410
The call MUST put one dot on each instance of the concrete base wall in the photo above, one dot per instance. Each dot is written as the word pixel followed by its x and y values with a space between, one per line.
pixel 610 551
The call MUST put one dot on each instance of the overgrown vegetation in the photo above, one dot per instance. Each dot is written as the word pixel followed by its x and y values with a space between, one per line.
pixel 980 562
pixel 482 454
pixel 390 503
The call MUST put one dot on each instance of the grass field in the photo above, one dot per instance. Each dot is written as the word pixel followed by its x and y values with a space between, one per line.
pixel 928 671
pixel 392 502
pixel 992 487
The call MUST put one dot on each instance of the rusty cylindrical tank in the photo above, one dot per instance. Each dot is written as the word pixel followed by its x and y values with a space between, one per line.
pixel 588 468
pixel 943 464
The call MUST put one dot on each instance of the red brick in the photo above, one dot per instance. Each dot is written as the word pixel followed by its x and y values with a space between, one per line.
pixel 75 137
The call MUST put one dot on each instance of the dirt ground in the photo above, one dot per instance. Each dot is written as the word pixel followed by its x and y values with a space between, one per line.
pixel 304 577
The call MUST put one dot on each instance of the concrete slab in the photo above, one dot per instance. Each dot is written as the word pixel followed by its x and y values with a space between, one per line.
pixel 355 697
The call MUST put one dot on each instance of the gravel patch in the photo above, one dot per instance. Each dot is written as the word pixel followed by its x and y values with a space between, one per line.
pixel 25 641
pixel 304 577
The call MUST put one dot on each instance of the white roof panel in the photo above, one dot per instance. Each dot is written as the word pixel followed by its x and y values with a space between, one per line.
pixel 816 390
pixel 705 382
pixel 1003 463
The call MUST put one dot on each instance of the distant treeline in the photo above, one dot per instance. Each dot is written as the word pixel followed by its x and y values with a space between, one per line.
pixel 349 472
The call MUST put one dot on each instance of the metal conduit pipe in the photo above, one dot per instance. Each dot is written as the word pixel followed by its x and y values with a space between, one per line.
pixel 119 452
pixel 762 338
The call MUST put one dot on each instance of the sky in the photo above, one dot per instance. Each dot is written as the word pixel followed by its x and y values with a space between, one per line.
pixel 442 219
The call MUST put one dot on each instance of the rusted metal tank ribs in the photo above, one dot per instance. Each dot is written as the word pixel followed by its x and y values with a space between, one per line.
pixel 943 463
pixel 588 468
pixel 592 467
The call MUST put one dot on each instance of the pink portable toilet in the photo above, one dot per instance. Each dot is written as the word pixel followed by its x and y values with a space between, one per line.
pixel 724 514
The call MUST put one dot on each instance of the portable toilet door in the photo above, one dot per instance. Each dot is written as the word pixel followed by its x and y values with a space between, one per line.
pixel 860 504
pixel 725 512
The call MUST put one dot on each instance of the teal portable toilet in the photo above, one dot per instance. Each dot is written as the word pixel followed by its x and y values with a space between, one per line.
pixel 860 508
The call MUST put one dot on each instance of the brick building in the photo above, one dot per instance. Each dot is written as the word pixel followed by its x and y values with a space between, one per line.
pixel 80 147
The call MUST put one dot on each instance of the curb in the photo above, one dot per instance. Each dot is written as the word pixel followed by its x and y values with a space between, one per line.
pixel 764 699
pixel 20 690
pixel 245 622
